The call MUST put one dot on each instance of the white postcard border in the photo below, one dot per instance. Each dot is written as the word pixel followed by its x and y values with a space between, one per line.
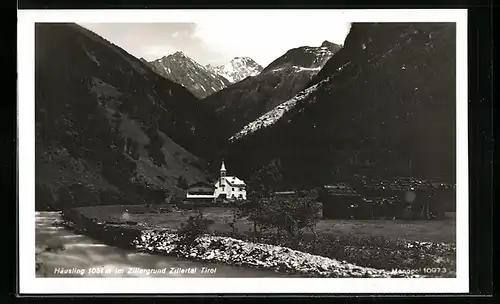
pixel 29 284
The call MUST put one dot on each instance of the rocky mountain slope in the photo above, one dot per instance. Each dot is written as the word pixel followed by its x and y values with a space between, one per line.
pixel 237 69
pixel 382 105
pixel 183 70
pixel 305 57
pixel 246 100
pixel 108 129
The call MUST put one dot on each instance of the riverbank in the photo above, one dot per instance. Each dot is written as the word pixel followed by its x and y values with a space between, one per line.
pixel 264 256
pixel 244 251
pixel 63 252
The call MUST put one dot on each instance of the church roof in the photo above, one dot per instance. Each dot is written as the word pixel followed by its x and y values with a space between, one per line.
pixel 223 167
pixel 233 180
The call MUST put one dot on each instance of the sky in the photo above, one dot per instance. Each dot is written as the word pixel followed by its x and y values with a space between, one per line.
pixel 217 43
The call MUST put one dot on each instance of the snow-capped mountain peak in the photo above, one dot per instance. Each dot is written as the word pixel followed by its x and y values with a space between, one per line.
pixel 237 69
pixel 180 68
pixel 179 54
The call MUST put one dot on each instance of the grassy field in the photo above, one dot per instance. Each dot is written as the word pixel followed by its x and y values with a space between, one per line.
pixel 159 216
pixel 380 244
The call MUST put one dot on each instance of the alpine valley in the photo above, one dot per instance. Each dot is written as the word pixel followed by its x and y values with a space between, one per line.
pixel 115 129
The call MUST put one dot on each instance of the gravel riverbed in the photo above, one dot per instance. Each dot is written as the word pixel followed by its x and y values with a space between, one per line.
pixel 232 251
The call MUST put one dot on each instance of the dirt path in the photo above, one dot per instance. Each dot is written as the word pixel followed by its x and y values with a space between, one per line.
pixel 82 253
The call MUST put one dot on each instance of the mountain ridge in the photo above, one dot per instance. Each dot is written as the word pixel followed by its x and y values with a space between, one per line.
pixel 181 69
pixel 369 103
pixel 108 129
pixel 246 100
pixel 306 56
pixel 237 69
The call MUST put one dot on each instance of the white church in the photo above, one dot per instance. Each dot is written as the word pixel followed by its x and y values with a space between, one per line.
pixel 226 187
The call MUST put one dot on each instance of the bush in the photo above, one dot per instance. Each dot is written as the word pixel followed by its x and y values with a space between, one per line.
pixel 289 214
pixel 195 226
pixel 43 198
pixel 77 195
pixel 182 182
pixel 107 197
pixel 84 195
pixel 268 178
pixel 156 196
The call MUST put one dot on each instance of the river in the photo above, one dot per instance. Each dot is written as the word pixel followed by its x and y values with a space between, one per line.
pixel 84 256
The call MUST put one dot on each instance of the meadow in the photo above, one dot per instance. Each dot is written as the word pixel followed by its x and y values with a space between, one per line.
pixel 381 244
pixel 161 216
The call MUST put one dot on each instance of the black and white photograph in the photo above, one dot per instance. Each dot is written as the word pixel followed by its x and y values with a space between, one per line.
pixel 282 151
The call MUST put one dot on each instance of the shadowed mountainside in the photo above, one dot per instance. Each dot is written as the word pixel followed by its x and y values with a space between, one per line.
pixel 382 105
pixel 246 100
pixel 109 129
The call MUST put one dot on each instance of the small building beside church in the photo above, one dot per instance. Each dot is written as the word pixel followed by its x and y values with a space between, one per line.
pixel 226 187
pixel 200 191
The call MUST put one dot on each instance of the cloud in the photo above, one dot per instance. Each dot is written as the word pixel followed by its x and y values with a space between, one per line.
pixel 218 40
pixel 150 52
pixel 266 40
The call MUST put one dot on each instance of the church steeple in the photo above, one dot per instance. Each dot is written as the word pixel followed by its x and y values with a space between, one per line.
pixel 222 169
pixel 222 182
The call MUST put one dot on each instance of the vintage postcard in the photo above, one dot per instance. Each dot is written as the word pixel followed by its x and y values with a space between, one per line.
pixel 243 151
